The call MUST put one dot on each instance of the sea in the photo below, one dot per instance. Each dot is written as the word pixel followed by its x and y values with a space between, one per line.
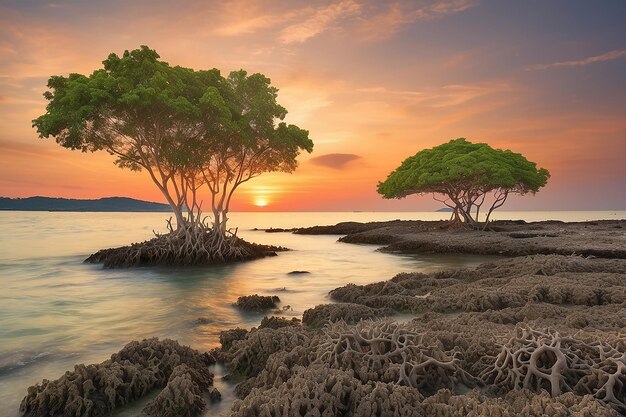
pixel 56 311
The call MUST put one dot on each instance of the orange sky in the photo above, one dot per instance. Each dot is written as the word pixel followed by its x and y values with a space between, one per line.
pixel 373 82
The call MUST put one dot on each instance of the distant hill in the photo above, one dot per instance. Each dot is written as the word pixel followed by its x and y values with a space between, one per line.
pixel 110 204
pixel 445 210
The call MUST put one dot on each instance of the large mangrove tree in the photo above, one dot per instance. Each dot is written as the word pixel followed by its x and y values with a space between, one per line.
pixel 198 135
pixel 464 176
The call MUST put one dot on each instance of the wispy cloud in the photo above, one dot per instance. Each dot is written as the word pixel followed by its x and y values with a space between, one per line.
pixel 318 22
pixel 368 19
pixel 387 21
pixel 245 17
pixel 300 92
pixel 57 5
pixel 245 26
pixel 609 56
pixel 456 94
pixel 446 96
pixel 399 93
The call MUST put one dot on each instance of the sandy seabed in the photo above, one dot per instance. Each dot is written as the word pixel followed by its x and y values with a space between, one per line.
pixel 541 332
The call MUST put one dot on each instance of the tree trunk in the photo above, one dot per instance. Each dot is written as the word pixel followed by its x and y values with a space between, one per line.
pixel 178 211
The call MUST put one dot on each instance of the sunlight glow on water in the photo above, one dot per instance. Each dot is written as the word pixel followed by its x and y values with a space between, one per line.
pixel 56 311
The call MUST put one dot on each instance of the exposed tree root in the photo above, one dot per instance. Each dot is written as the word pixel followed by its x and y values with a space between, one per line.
pixel 387 351
pixel 187 247
pixel 380 368
pixel 544 359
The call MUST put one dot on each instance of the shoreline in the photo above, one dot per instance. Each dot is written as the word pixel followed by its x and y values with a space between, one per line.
pixel 469 316
pixel 506 237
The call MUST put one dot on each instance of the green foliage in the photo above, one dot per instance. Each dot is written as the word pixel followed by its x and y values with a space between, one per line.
pixel 464 172
pixel 137 103
pixel 187 128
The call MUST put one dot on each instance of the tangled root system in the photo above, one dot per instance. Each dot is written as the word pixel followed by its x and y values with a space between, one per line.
pixel 544 359
pixel 387 351
pixel 184 248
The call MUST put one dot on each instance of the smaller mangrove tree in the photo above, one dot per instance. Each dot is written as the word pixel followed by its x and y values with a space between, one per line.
pixel 465 176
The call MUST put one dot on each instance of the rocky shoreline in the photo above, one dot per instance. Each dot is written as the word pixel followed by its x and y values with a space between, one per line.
pixel 539 333
pixel 603 238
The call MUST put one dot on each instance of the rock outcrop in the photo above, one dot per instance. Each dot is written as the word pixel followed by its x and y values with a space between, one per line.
pixel 257 302
pixel 139 368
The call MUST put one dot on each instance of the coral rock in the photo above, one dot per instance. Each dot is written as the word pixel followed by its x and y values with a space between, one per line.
pixel 257 302
pixel 349 312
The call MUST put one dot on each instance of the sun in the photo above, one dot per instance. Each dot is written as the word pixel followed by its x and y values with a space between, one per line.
pixel 260 201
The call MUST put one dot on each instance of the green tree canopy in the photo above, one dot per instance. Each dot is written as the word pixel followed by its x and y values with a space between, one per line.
pixel 191 130
pixel 464 174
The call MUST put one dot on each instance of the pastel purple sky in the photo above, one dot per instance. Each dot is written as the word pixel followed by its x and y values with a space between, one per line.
pixel 373 82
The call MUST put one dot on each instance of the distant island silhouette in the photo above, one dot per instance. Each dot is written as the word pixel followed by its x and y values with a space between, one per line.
pixel 107 204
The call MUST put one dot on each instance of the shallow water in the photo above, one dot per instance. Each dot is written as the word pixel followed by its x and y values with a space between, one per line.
pixel 56 311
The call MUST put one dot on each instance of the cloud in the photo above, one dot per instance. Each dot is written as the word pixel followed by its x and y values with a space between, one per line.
pixel 296 25
pixel 383 24
pixel 245 17
pixel 245 26
pixel 609 56
pixel 407 94
pixel 456 94
pixel 318 22
pixel 301 94
pixel 335 160
pixel 445 96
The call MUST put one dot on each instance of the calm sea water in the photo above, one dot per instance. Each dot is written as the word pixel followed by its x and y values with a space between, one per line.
pixel 56 311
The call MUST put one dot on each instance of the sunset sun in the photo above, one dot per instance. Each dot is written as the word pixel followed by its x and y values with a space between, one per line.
pixel 260 201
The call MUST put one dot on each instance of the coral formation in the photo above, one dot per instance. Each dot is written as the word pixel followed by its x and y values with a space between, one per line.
pixel 515 403
pixel 389 400
pixel 257 302
pixel 536 335
pixel 227 337
pixel 182 396
pixel 382 368
pixel 247 356
pixel 310 391
pixel 96 390
pixel 274 322
pixel 320 391
pixel 496 286
pixel 349 312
